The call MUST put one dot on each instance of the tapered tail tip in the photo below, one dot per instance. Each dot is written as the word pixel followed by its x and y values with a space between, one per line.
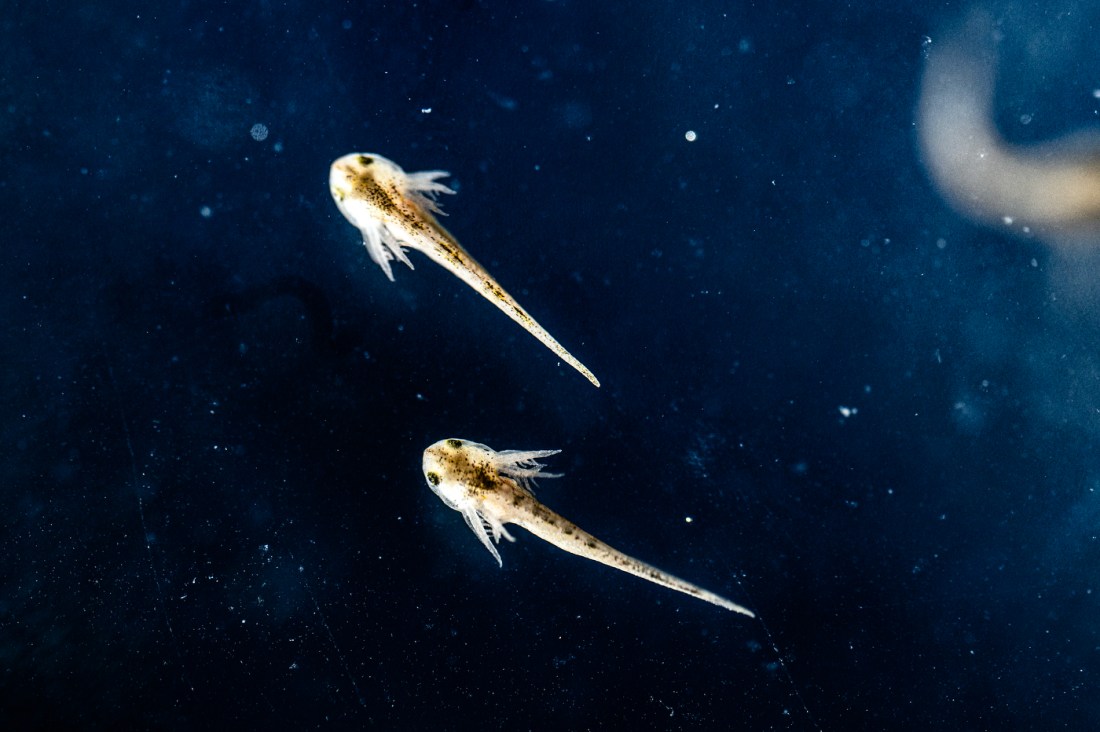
pixel 737 608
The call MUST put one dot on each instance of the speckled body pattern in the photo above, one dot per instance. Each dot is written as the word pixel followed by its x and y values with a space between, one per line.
pixel 394 209
pixel 491 488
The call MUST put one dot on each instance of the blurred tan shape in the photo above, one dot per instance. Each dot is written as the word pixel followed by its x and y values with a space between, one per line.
pixel 1050 188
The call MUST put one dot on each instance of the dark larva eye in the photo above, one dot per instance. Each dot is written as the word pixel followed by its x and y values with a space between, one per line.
pixel 454 443
pixel 433 478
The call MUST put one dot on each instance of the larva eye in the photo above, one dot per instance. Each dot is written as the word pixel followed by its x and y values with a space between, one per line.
pixel 433 478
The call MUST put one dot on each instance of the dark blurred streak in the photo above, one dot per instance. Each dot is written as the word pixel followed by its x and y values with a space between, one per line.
pixel 318 311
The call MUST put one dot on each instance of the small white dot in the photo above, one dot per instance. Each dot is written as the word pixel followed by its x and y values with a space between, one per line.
pixel 690 135
pixel 258 132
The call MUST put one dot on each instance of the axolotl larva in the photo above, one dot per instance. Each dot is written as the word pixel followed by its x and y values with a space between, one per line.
pixel 491 488
pixel 394 209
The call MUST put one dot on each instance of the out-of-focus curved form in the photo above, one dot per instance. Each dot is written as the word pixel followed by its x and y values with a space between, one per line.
pixel 1051 189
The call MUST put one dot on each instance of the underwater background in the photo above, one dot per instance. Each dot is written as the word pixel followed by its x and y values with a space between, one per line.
pixel 827 394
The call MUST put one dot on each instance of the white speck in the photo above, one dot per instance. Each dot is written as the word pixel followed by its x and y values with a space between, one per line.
pixel 425 110
pixel 941 243
pixel 1007 220
pixel 1026 119
pixel 847 411
pixel 206 212
pixel 690 135
pixel 258 132
pixel 688 519
pixel 277 147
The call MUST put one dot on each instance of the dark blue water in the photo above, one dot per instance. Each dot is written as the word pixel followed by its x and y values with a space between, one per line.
pixel 825 394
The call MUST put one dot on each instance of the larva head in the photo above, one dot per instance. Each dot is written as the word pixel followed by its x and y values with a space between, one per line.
pixel 453 468
pixel 355 173
pixel 440 465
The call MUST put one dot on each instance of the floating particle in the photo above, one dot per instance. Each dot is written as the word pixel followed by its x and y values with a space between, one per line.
pixel 258 132
pixel 690 135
